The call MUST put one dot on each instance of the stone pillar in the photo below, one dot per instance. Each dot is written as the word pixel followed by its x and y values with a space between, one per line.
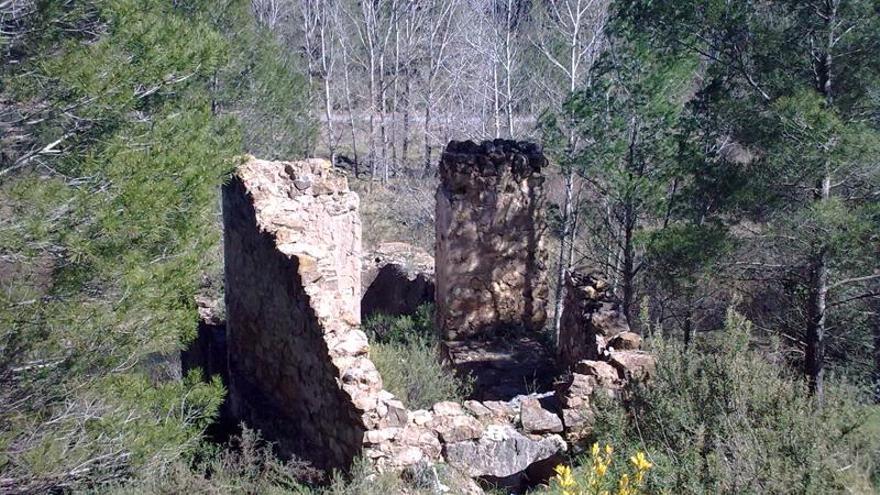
pixel 298 362
pixel 591 317
pixel 489 251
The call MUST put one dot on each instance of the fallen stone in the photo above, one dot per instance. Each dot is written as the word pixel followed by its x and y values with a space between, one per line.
pixel 396 415
pixel 576 391
pixel 626 341
pixel 606 375
pixel 578 423
pixel 447 408
pixel 477 408
pixel 501 451
pixel 375 437
pixel 456 428
pixel 500 409
pixel 420 416
pixel 536 419
pixel 634 365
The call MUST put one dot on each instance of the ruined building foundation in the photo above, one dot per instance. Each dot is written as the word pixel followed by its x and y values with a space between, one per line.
pixel 298 363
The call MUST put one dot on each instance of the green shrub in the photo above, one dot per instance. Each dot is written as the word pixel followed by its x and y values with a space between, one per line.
pixel 110 234
pixel 405 350
pixel 721 418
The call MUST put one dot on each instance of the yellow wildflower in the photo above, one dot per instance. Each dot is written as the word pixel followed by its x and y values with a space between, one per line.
pixel 640 462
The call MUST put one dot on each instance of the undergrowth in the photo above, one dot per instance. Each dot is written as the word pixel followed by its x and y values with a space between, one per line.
pixel 405 350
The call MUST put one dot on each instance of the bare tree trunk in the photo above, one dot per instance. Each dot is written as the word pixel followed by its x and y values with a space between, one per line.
pixel 562 269
pixel 508 63
pixel 427 135
pixel 496 91
pixel 395 91
pixel 629 224
pixel 407 95
pixel 570 21
pixel 372 150
pixel 627 270
pixel 874 305
pixel 326 44
pixel 383 136
pixel 350 107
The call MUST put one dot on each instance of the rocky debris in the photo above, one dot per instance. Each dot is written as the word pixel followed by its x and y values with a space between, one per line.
pixel 447 408
pixel 501 409
pixel 397 279
pixel 501 451
pixel 490 227
pixel 605 374
pixel 578 423
pixel 591 318
pixel 625 341
pixel 456 428
pixel 535 419
pixel 634 365
pixel 575 390
pixel 573 395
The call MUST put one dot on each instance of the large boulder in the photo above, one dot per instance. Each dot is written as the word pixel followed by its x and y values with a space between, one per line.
pixel 501 452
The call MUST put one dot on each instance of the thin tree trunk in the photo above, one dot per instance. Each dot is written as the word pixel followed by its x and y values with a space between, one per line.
pixel 496 104
pixel 629 225
pixel 562 269
pixel 427 137
pixel 508 53
pixel 394 102
pixel 814 362
pixel 627 274
pixel 351 120
pixel 874 305
pixel 404 147
pixel 372 152
pixel 818 295
pixel 383 136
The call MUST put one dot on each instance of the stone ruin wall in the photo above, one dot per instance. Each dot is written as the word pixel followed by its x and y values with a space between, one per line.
pixel 298 363
pixel 292 267
pixel 489 251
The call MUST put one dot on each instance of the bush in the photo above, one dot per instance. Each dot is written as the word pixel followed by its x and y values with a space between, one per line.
pixel 405 350
pixel 723 419
pixel 603 475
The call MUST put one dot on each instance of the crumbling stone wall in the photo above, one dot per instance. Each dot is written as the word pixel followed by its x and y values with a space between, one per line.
pixel 489 253
pixel 297 360
pixel 590 318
